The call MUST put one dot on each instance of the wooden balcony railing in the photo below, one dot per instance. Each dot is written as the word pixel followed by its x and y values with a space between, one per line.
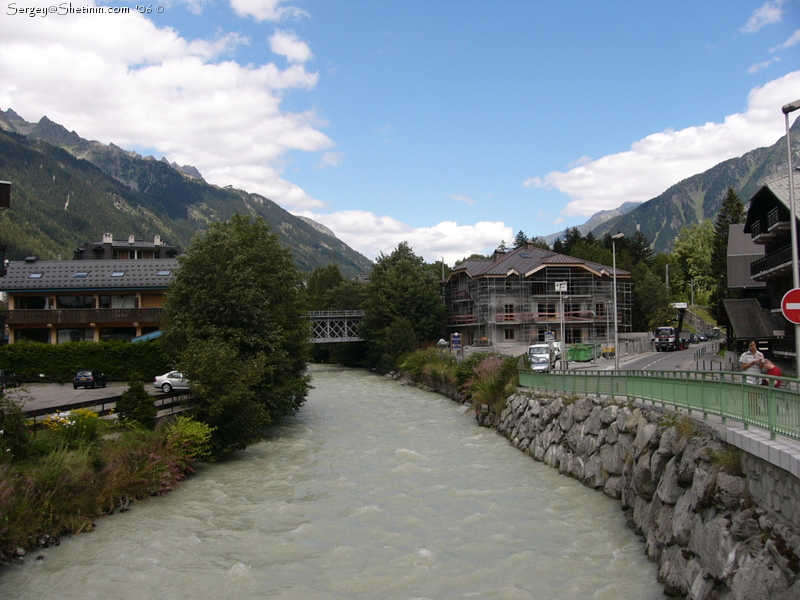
pixel 74 316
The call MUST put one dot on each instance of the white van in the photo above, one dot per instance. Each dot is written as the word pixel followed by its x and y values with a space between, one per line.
pixel 543 356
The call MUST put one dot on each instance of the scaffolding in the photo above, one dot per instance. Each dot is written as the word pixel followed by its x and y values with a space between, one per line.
pixel 528 309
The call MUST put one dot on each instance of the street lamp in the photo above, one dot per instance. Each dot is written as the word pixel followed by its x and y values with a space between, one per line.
pixel 614 238
pixel 787 108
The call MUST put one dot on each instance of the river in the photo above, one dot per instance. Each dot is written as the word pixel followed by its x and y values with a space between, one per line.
pixel 373 490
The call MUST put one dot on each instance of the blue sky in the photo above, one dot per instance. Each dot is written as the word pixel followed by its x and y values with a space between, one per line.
pixel 447 124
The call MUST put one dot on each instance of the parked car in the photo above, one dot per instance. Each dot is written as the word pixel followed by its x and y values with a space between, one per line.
pixel 89 378
pixel 174 380
pixel 8 379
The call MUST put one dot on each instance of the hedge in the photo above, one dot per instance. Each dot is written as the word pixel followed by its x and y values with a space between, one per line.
pixel 51 363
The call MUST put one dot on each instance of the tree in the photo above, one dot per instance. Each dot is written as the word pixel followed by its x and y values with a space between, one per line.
pixel 320 282
pixel 731 212
pixel 693 254
pixel 572 236
pixel 401 287
pixel 234 321
pixel 520 239
pixel 136 405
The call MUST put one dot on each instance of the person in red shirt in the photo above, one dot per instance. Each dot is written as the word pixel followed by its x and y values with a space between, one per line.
pixel 770 369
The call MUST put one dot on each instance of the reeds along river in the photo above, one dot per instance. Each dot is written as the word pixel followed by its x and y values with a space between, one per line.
pixel 373 491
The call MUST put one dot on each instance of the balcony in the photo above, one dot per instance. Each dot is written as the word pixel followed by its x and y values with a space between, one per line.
pixel 772 265
pixel 76 316
pixel 760 234
pixel 777 221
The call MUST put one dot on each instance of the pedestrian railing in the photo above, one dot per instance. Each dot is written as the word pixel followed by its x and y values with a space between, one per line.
pixel 724 394
pixel 172 401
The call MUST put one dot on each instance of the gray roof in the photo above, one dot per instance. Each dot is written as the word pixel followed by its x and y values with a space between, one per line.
pixel 527 260
pixel 60 276
pixel 749 321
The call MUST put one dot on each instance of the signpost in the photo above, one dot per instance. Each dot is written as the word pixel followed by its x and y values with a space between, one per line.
pixel 790 305
pixel 561 287
pixel 455 344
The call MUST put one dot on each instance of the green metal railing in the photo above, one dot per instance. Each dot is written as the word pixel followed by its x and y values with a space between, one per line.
pixel 725 394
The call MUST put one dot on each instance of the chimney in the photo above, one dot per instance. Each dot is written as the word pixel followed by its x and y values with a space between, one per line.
pixel 108 238
pixel 157 240
pixel 131 239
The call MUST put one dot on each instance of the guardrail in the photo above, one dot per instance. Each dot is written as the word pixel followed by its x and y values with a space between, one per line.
pixel 721 393
pixel 105 406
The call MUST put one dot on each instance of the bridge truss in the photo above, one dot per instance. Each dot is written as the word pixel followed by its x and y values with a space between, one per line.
pixel 332 326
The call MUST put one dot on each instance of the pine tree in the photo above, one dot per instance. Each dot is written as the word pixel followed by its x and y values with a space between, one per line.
pixel 730 213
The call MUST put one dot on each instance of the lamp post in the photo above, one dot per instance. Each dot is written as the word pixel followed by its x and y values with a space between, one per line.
pixel 787 108
pixel 614 238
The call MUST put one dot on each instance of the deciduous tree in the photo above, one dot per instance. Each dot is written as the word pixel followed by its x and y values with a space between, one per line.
pixel 234 322
pixel 401 287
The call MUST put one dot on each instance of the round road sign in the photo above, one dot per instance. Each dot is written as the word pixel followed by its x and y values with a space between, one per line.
pixel 790 305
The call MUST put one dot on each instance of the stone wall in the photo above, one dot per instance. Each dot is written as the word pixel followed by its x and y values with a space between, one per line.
pixel 721 524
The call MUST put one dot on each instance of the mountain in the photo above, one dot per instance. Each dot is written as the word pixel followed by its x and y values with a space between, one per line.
pixel 596 220
pixel 67 191
pixel 700 196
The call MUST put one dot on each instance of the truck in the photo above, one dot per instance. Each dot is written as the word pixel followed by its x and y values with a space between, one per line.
pixel 669 337
pixel 543 355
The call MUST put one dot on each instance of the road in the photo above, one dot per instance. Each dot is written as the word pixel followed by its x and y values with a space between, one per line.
pixel 34 396
pixel 679 360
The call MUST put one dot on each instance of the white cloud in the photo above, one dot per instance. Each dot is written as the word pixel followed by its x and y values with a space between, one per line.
pixel 763 65
pixel 371 234
pixel 662 159
pixel 266 10
pixel 332 159
pixel 793 40
pixel 286 43
pixel 770 12
pixel 461 198
pixel 138 85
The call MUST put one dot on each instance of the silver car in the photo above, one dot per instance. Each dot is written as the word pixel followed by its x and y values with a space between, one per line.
pixel 174 380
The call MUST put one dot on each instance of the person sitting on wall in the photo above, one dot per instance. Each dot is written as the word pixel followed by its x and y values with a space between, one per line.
pixel 751 360
pixel 770 369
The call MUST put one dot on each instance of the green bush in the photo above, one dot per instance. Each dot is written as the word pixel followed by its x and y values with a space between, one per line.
pixel 57 363
pixel 13 431
pixel 190 439
pixel 137 406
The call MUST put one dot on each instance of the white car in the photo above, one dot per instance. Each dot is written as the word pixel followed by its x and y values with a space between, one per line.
pixel 174 380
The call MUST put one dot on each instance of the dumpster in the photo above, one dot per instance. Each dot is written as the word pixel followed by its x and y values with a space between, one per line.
pixel 584 352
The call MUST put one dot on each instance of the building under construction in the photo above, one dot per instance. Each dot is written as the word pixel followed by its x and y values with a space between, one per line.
pixel 529 295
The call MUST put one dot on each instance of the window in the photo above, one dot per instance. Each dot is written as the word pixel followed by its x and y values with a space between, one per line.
pixel 547 311
pixel 75 335
pixel 118 274
pixel 34 276
pixel 81 275
pixel 117 333
pixel 164 273
pixel 510 333
pixel 74 301
pixel 127 301
pixel 32 302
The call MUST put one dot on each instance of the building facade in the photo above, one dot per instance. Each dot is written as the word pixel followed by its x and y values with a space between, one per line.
pixel 89 300
pixel 515 297
pixel 760 317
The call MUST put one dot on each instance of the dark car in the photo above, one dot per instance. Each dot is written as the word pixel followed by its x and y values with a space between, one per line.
pixel 88 378
pixel 8 379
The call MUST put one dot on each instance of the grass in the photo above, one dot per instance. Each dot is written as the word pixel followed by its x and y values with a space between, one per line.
pixel 81 468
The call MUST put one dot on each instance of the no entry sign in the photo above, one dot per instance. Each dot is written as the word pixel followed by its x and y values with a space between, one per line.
pixel 790 305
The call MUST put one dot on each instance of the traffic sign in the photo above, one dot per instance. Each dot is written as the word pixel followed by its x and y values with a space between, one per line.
pixel 790 305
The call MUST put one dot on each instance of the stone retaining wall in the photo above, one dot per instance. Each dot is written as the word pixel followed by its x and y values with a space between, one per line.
pixel 721 524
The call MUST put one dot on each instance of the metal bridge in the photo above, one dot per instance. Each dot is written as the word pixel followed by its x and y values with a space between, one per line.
pixel 329 326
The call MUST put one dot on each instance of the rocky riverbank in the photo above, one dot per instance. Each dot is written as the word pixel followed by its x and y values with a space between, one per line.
pixel 721 524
